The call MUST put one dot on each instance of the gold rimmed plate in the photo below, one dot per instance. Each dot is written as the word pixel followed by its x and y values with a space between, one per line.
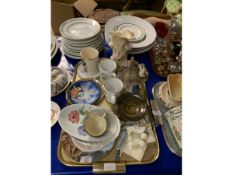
pixel 97 83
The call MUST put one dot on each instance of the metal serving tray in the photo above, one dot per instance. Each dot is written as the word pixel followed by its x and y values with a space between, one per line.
pixel 160 120
pixel 151 154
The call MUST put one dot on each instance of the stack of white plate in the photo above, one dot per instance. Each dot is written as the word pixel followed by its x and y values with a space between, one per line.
pixel 71 121
pixel 78 33
pixel 54 47
pixel 144 32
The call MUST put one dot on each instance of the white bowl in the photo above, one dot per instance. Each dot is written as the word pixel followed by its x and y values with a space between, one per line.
pixel 55 110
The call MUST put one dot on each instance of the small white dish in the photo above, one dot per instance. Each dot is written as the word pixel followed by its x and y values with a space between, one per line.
pixel 55 110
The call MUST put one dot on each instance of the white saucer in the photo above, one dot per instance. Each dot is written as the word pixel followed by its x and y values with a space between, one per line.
pixel 83 74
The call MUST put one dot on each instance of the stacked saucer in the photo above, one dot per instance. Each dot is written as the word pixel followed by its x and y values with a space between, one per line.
pixel 144 33
pixel 54 46
pixel 55 52
pixel 78 33
pixel 91 128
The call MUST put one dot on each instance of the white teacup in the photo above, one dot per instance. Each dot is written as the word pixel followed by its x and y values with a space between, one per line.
pixel 113 88
pixel 91 58
pixel 107 69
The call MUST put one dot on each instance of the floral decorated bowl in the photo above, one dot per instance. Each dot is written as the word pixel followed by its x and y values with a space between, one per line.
pixel 71 119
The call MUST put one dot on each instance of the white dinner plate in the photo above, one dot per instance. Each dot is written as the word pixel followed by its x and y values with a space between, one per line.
pixel 89 147
pixel 80 28
pixel 94 146
pixel 72 56
pixel 138 51
pixel 78 48
pixel 150 33
pixel 53 42
pixel 76 55
pixel 54 51
pixel 83 42
pixel 138 32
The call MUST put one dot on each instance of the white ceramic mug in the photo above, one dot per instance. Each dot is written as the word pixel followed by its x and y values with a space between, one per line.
pixel 113 88
pixel 91 58
pixel 107 69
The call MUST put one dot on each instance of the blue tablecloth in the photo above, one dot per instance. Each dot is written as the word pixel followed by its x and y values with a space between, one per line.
pixel 167 162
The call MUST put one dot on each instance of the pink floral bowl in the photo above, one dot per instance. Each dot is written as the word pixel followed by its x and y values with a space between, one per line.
pixel 71 119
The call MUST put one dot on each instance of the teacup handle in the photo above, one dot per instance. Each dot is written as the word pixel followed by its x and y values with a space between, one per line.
pixel 84 66
pixel 113 99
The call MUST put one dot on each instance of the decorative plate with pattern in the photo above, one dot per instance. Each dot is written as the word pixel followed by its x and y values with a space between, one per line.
pixel 83 91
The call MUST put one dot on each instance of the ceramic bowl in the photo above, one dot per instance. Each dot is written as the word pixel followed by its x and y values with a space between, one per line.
pixel 60 80
pixel 164 97
pixel 175 86
pixel 71 120
pixel 130 107
pixel 95 123
pixel 55 110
